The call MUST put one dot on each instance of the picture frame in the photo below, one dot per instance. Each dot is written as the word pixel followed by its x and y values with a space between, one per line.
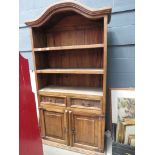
pixel 125 96
pixel 131 140
pixel 125 129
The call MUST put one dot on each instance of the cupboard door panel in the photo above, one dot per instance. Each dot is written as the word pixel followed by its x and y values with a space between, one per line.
pixel 54 125
pixel 85 131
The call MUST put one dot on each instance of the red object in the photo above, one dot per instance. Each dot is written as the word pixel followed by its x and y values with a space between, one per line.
pixel 29 135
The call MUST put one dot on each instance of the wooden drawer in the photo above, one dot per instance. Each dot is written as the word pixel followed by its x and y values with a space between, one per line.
pixel 85 103
pixel 53 100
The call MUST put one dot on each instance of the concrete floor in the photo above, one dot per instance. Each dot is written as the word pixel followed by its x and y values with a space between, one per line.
pixel 49 150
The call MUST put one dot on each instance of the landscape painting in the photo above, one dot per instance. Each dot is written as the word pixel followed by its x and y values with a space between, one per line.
pixel 126 108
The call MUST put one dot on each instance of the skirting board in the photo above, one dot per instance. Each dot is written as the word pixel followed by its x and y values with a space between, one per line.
pixel 74 149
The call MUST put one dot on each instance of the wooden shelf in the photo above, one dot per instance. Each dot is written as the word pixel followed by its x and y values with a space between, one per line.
pixel 57 48
pixel 71 90
pixel 72 71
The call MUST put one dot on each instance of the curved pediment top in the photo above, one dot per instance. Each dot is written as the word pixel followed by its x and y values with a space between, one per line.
pixel 69 6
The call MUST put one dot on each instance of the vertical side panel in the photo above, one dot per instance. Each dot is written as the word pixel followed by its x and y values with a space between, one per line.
pixel 66 127
pixel 101 128
pixel 42 121
pixel 101 120
pixel 34 64
pixel 34 60
pixel 105 61
pixel 70 128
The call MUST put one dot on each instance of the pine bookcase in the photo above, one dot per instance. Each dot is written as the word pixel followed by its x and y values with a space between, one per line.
pixel 69 47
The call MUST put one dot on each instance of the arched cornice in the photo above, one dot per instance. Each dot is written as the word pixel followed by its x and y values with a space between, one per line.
pixel 69 6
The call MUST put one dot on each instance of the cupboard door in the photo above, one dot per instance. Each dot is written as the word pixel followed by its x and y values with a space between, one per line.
pixel 56 126
pixel 87 132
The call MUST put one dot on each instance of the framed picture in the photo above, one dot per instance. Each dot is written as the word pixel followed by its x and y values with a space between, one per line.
pixel 131 140
pixel 122 104
pixel 126 129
